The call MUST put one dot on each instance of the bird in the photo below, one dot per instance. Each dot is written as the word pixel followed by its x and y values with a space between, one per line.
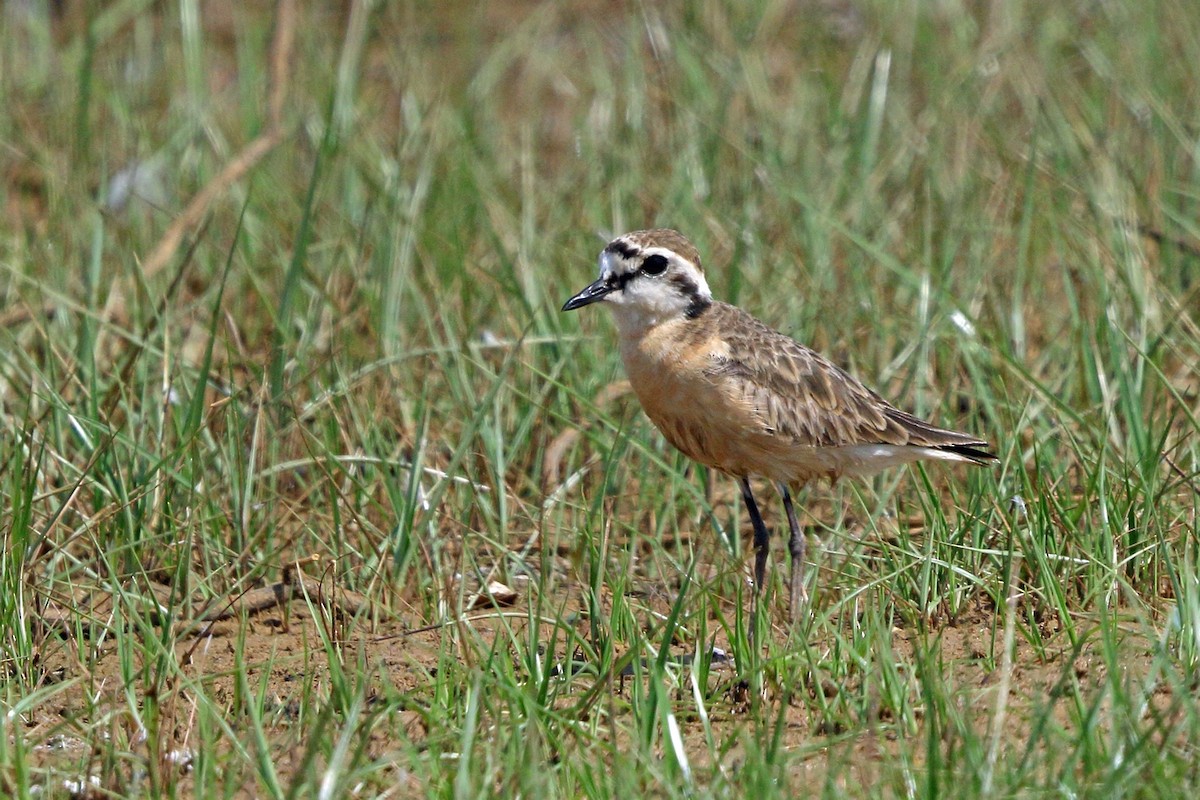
pixel 739 397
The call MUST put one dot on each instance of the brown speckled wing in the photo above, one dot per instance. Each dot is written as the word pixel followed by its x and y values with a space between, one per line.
pixel 803 397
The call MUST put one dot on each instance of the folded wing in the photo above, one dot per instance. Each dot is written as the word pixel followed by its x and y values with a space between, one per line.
pixel 803 397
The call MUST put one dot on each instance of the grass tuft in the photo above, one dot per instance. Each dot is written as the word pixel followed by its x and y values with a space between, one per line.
pixel 310 490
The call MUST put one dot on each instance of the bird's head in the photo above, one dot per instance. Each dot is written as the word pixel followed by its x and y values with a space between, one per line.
pixel 647 278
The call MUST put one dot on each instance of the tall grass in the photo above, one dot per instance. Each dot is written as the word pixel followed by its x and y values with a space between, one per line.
pixel 985 211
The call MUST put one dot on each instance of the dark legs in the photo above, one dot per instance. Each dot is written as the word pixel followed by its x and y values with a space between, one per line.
pixel 762 538
pixel 796 549
pixel 762 545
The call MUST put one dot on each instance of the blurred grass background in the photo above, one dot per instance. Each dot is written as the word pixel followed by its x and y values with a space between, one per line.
pixel 283 280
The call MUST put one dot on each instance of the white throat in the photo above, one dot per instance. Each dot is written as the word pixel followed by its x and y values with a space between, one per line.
pixel 647 301
pixel 635 315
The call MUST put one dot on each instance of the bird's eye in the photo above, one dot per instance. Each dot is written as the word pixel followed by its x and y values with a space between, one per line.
pixel 654 265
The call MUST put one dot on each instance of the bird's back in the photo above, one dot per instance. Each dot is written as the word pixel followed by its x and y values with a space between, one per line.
pixel 738 396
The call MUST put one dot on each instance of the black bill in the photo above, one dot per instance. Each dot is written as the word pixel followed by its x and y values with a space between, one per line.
pixel 591 294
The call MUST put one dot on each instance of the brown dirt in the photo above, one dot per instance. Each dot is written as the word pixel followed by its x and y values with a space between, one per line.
pixel 287 638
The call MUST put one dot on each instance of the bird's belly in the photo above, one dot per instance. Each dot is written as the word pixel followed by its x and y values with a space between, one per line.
pixel 701 420
pixel 710 424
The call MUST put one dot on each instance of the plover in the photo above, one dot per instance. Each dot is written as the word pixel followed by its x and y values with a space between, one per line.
pixel 740 397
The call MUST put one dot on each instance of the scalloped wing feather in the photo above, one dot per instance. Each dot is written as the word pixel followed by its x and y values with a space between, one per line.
pixel 804 398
